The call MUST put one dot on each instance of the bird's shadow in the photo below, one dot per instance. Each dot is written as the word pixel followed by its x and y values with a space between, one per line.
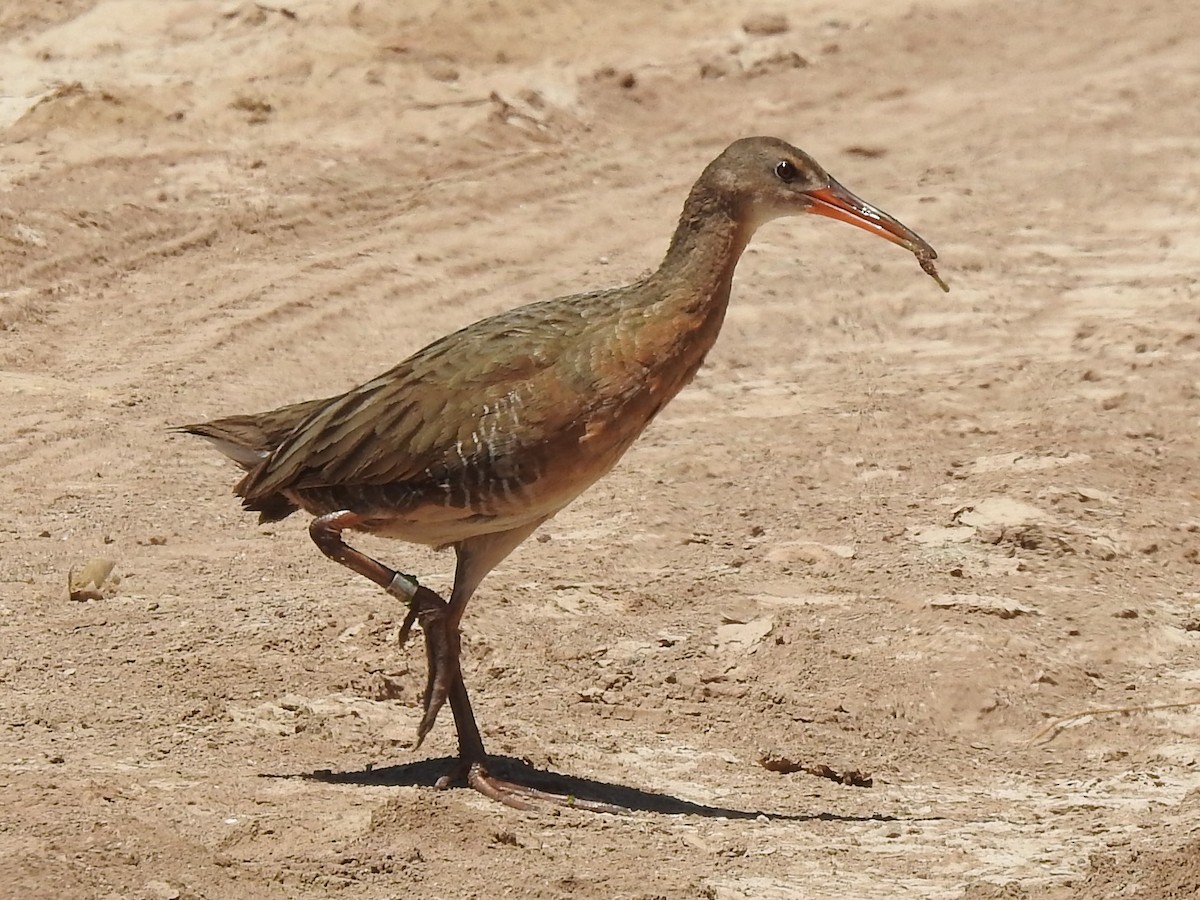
pixel 425 773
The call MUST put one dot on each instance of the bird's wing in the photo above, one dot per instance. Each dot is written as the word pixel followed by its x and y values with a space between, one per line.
pixel 467 400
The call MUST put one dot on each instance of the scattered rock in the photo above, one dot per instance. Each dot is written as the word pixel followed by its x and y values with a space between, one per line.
pixel 385 686
pixel 293 703
pixel 95 581
pixel 1030 537
pixel 161 890
pixel 257 108
pixel 1104 548
pixel 575 599
pixel 810 552
pixel 1002 511
pixel 777 762
pixel 940 535
pixel 765 24
pixel 440 68
pixel 778 61
pixel 865 152
pixel 1004 607
pixel 738 637
pixel 1026 462
pixel 23 234
pixel 1088 498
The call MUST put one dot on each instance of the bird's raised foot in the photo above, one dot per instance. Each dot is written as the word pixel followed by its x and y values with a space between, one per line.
pixel 441 654
pixel 513 794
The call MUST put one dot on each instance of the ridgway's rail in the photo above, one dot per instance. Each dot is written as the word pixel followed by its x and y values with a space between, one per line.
pixel 479 438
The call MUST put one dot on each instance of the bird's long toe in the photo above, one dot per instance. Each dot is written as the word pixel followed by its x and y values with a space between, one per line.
pixel 441 655
pixel 475 775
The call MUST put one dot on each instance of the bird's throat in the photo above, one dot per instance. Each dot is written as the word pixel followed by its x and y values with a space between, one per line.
pixel 682 304
pixel 704 251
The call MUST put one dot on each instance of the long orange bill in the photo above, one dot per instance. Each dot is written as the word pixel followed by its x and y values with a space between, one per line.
pixel 836 202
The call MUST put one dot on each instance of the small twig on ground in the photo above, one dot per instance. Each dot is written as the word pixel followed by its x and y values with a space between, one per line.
pixel 281 10
pixel 466 101
pixel 1051 731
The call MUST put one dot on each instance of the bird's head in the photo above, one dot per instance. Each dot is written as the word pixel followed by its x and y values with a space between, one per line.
pixel 765 178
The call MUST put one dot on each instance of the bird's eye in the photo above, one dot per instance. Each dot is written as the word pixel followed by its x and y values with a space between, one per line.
pixel 785 171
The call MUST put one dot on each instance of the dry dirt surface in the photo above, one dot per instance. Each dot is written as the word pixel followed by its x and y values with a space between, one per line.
pixel 887 532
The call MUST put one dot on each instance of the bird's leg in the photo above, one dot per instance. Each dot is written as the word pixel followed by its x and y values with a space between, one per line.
pixel 472 758
pixel 440 624
pixel 472 766
pixel 423 605
pixel 326 532
pixel 476 557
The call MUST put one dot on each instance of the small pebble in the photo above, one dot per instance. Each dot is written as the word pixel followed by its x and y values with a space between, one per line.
pixel 765 24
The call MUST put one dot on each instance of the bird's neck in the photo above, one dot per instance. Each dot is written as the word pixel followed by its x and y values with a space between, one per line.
pixel 698 269
pixel 681 306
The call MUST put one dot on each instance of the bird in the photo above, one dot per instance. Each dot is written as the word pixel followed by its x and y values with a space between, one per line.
pixel 479 438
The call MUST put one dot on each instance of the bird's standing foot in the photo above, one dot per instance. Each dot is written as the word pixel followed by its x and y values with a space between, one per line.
pixel 475 775
pixel 472 767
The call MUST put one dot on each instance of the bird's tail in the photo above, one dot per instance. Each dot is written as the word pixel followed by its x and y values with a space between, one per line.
pixel 248 440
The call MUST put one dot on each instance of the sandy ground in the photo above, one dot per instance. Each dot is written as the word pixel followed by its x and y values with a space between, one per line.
pixel 886 530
